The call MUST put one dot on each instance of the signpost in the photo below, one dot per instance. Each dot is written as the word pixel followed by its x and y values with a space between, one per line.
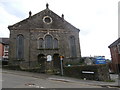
pixel 61 59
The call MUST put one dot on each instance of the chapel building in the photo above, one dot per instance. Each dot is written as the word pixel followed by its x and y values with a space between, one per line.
pixel 43 37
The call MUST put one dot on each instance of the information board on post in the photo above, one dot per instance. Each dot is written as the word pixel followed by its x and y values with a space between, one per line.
pixel 100 60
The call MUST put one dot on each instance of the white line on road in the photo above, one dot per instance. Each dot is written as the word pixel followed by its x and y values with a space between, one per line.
pixel 33 85
pixel 56 79
pixel 42 87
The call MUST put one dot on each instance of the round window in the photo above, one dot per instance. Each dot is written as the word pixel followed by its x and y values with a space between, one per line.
pixel 47 20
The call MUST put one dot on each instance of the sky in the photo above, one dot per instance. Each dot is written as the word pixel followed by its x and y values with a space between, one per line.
pixel 96 19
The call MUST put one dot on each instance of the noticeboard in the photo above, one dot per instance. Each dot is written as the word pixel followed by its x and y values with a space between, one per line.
pixel 49 58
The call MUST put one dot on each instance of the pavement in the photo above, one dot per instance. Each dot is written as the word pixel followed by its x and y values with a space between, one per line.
pixel 66 79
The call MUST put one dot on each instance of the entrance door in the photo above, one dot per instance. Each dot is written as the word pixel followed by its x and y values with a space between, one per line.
pixel 56 61
pixel 41 61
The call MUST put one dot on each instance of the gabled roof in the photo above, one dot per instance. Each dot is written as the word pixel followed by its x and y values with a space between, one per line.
pixel 4 41
pixel 115 43
pixel 36 21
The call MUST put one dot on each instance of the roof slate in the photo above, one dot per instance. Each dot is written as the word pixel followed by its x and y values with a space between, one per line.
pixel 4 41
pixel 36 21
pixel 115 43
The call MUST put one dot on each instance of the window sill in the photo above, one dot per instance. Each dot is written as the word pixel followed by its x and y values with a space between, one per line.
pixel 19 60
pixel 48 49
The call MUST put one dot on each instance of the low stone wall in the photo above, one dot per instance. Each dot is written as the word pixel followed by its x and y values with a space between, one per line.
pixel 90 72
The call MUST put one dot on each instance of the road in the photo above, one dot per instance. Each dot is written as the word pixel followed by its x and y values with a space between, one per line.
pixel 11 80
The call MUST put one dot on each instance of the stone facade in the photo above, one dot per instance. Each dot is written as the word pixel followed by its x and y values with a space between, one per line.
pixel 36 28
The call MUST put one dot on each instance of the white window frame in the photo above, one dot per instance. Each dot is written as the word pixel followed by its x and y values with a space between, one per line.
pixel 6 48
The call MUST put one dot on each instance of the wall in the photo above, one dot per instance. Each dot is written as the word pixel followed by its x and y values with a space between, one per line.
pixel 115 59
pixel 12 45
pixel 90 72
pixel 115 55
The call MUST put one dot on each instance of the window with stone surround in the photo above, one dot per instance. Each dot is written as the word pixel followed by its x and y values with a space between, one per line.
pixel 72 46
pixel 48 42
pixel 20 46
pixel 55 43
pixel 47 19
pixel 40 43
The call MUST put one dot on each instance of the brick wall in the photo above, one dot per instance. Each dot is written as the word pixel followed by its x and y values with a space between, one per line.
pixel 115 59
pixel 1 50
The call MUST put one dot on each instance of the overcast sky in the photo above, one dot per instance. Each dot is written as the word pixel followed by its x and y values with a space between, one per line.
pixel 96 19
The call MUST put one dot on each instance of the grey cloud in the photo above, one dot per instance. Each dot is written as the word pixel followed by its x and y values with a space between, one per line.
pixel 13 8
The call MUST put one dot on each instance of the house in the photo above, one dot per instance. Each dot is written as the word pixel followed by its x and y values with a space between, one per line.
pixel 42 38
pixel 4 48
pixel 115 55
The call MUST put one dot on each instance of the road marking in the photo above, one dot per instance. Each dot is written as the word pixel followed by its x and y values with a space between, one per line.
pixel 42 87
pixel 62 80
pixel 33 85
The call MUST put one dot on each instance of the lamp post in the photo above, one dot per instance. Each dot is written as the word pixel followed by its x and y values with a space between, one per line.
pixel 61 59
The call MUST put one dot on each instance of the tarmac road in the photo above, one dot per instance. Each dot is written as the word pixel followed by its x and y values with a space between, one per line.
pixel 11 80
pixel 21 79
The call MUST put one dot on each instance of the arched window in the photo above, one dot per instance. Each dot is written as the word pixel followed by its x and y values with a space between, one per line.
pixel 20 47
pixel 40 43
pixel 72 46
pixel 48 41
pixel 55 43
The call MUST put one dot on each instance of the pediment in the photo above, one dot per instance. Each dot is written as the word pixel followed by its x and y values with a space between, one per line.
pixel 43 19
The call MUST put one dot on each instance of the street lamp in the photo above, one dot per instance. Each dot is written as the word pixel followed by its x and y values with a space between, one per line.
pixel 61 59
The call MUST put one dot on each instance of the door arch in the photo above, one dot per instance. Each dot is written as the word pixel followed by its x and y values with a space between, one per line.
pixel 56 61
pixel 42 62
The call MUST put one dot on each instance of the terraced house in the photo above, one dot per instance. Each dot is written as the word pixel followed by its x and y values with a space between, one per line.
pixel 43 37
